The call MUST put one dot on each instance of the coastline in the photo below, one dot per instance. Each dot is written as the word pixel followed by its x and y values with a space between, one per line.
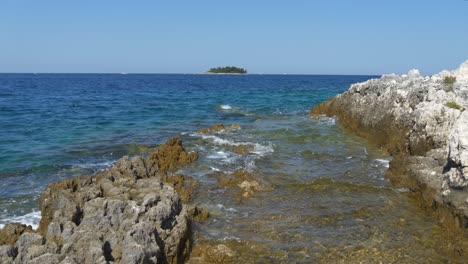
pixel 413 118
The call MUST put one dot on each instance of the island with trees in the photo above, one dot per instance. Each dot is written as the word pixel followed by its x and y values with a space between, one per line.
pixel 227 70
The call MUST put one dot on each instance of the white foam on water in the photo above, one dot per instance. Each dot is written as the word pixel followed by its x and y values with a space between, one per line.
pixel 325 120
pixel 384 162
pixel 224 157
pixel 222 207
pixel 105 164
pixel 214 169
pixel 218 155
pixel 31 219
pixel 232 238
pixel 250 166
pixel 259 149
pixel 225 107
pixel 403 190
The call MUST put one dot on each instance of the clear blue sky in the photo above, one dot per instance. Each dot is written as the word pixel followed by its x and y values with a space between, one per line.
pixel 314 36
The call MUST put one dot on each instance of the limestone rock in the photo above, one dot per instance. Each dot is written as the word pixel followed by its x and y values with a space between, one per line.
pixel 127 214
pixel 11 232
pixel 419 120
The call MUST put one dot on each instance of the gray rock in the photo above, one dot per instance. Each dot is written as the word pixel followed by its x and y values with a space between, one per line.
pixel 123 215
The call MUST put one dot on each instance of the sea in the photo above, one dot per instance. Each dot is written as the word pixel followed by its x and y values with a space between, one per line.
pixel 324 194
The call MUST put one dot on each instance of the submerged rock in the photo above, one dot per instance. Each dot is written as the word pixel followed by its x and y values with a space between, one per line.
pixel 243 149
pixel 247 182
pixel 422 122
pixel 213 128
pixel 127 214
pixel 218 128
pixel 213 253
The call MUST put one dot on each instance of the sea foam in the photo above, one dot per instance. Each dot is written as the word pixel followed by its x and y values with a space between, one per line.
pixel 225 107
pixel 259 149
pixel 31 219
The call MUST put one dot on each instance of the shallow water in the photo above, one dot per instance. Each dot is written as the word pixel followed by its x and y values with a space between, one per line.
pixel 323 194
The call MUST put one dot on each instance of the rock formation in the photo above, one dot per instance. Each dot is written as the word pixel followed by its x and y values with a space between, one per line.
pixel 127 214
pixel 421 121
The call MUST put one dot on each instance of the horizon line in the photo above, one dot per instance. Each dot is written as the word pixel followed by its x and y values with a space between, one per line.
pixel 179 73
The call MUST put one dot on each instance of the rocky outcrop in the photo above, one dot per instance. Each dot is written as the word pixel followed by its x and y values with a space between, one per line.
pixel 127 214
pixel 421 121
pixel 11 232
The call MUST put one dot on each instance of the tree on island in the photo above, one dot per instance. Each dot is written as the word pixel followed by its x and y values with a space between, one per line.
pixel 228 69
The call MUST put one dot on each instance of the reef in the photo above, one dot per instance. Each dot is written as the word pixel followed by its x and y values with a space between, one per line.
pixel 421 121
pixel 131 213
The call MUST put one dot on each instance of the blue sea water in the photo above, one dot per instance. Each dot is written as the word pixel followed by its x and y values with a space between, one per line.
pixel 323 189
pixel 60 125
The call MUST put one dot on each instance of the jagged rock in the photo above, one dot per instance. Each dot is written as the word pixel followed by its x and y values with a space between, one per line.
pixel 11 232
pixel 422 122
pixel 171 156
pixel 127 214
pixel 183 184
pixel 198 214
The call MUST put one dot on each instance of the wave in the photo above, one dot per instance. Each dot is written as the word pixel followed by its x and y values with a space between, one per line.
pixel 258 149
pixel 225 107
pixel 31 219
pixel 383 162
pixel 94 166
pixel 230 209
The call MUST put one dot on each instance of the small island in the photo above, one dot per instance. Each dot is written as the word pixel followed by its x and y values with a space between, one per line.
pixel 227 70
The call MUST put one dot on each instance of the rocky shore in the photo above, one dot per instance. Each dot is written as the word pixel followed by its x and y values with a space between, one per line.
pixel 131 213
pixel 423 123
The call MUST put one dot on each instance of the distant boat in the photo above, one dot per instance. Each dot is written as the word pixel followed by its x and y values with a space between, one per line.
pixel 123 73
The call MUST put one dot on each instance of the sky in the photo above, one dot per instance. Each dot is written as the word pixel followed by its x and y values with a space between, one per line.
pixel 302 37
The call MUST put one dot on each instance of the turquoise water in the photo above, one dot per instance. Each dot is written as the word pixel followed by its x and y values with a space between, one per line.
pixel 60 125
pixel 322 194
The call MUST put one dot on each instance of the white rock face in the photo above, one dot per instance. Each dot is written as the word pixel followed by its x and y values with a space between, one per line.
pixel 432 115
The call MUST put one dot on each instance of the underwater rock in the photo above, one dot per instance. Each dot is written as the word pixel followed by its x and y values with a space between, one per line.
pixel 247 182
pixel 243 149
pixel 212 253
pixel 213 128
pixel 421 121
pixel 217 128
pixel 127 214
